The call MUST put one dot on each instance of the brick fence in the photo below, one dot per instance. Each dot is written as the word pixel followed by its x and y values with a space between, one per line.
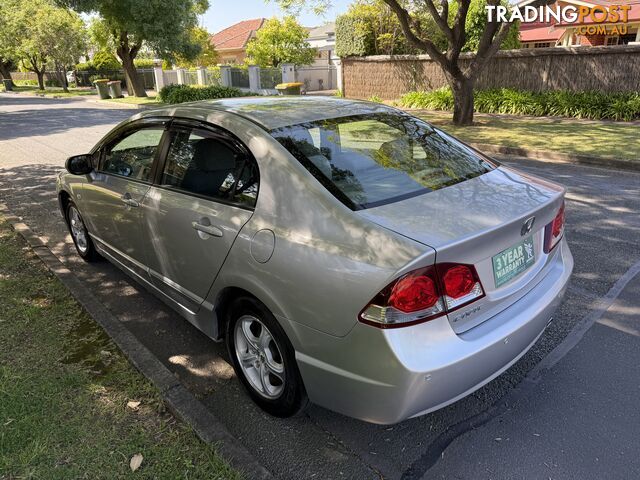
pixel 609 69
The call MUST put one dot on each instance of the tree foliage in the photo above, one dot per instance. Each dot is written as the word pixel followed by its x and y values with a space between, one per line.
pixel 208 56
pixel 42 35
pixel 370 27
pixel 280 41
pixel 476 24
pixel 161 25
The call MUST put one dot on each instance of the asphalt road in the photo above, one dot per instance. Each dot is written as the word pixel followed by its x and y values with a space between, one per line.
pixel 603 228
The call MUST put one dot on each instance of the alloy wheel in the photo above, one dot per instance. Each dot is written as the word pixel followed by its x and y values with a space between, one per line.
pixel 78 230
pixel 259 357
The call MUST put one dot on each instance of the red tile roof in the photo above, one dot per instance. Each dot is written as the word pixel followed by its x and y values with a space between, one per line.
pixel 540 34
pixel 236 36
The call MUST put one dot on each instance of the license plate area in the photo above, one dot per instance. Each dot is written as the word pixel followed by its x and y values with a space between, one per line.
pixel 512 261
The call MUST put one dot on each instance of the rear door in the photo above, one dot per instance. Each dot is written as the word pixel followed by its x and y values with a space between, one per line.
pixel 205 192
pixel 117 187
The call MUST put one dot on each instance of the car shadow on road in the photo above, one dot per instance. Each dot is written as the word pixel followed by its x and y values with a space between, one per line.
pixel 63 117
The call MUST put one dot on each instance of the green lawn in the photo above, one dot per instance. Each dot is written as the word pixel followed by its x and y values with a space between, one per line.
pixel 51 91
pixel 604 139
pixel 151 101
pixel 64 390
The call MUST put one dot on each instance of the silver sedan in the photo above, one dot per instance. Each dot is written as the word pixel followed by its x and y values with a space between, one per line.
pixel 348 253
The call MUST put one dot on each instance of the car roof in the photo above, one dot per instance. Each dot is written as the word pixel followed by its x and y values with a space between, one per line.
pixel 276 112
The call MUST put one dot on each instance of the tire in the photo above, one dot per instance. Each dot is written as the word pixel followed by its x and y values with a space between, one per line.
pixel 79 234
pixel 265 364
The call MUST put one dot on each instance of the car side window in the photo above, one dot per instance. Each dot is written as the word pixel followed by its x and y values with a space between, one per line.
pixel 207 165
pixel 132 156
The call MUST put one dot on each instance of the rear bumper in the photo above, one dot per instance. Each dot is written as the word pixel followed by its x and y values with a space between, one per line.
pixel 385 376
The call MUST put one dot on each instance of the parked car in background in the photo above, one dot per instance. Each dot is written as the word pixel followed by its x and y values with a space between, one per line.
pixel 347 252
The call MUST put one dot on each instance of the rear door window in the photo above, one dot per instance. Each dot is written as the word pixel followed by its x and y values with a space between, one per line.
pixel 208 165
pixel 370 160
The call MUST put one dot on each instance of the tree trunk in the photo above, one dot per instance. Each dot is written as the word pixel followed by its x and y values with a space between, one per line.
pixel 134 82
pixel 5 70
pixel 462 89
pixel 62 77
pixel 40 75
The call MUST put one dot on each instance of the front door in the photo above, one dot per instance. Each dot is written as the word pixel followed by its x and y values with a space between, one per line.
pixel 205 194
pixel 115 191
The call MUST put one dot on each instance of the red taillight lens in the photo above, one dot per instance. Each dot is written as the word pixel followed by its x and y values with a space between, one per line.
pixel 458 281
pixel 553 231
pixel 422 295
pixel 413 293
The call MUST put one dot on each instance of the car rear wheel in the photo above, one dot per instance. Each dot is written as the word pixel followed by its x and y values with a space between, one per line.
pixel 263 359
pixel 80 235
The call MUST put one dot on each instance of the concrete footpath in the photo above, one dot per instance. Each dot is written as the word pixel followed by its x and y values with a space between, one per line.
pixel 580 420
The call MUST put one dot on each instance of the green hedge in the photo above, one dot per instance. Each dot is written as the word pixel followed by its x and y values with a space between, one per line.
pixel 144 63
pixel 591 105
pixel 352 37
pixel 187 93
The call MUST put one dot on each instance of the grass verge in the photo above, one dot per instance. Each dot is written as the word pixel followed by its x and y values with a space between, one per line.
pixel 600 139
pixel 65 390
pixel 151 101
pixel 51 91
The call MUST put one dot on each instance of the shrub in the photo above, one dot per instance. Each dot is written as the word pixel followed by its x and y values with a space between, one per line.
pixel 105 60
pixel 375 99
pixel 215 75
pixel 85 67
pixel 440 99
pixel 144 63
pixel 187 93
pixel 26 83
pixel 591 105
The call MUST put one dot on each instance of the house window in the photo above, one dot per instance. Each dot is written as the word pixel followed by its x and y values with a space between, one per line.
pixel 625 39
pixel 541 44
pixel 612 41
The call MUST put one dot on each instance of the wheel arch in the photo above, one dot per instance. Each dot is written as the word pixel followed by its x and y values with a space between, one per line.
pixel 64 198
pixel 232 291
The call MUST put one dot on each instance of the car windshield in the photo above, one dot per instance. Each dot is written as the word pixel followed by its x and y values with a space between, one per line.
pixel 374 159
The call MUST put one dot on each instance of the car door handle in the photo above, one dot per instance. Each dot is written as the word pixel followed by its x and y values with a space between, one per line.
pixel 127 200
pixel 208 229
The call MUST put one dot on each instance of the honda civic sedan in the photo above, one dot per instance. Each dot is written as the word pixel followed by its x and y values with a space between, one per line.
pixel 348 253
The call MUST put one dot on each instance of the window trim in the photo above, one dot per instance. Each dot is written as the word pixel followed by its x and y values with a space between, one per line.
pixel 210 131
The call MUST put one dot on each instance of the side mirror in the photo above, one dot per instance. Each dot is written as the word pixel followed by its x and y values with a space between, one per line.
pixel 79 164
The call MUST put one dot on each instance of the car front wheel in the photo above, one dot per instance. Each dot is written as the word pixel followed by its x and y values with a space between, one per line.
pixel 263 359
pixel 80 235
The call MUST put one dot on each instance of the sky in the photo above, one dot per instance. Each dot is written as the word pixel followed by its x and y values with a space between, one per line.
pixel 224 13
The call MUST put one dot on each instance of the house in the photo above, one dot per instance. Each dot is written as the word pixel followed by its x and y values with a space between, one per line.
pixel 231 43
pixel 584 32
pixel 323 39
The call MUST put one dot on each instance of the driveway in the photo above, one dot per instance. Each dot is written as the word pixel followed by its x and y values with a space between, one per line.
pixel 603 228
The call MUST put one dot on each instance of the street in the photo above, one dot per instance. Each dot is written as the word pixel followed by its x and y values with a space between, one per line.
pixel 574 415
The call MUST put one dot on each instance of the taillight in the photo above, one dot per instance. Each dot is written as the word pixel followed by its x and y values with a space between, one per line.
pixel 553 231
pixel 460 284
pixel 423 295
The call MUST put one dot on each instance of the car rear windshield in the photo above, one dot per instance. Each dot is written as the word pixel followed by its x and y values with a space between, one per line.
pixel 375 159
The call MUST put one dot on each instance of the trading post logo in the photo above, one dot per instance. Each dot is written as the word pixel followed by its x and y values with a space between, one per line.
pixel 602 20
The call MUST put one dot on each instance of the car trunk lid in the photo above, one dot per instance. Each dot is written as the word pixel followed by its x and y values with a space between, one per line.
pixel 499 214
